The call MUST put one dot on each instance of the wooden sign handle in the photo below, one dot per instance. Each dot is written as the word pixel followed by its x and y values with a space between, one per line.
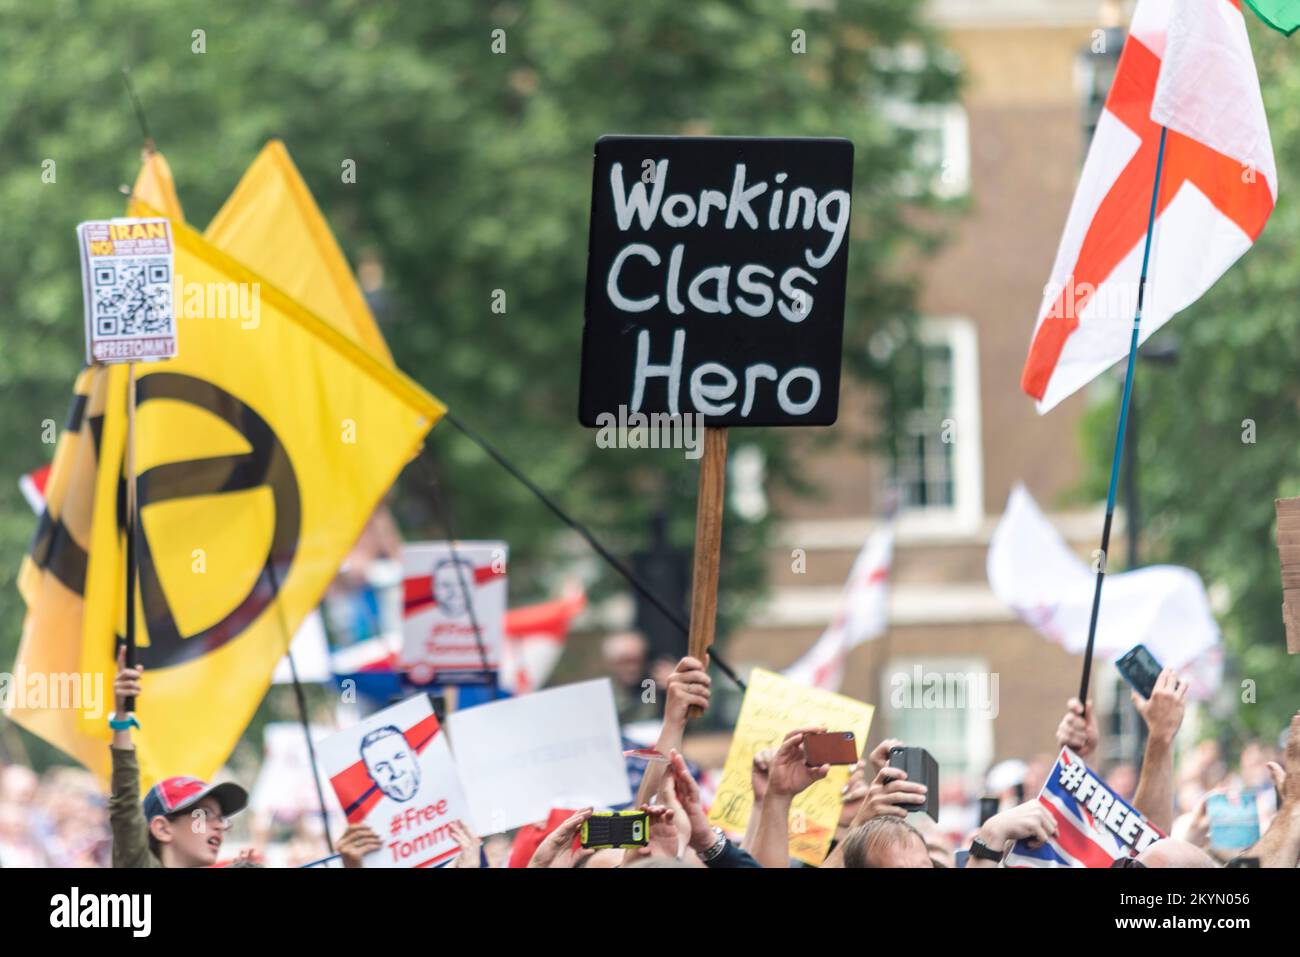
pixel 708 546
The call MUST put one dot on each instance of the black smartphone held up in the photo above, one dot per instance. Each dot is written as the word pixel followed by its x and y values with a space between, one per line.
pixel 988 807
pixel 921 768
pixel 1140 669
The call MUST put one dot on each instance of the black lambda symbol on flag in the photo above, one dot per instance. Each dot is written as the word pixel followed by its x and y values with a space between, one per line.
pixel 267 463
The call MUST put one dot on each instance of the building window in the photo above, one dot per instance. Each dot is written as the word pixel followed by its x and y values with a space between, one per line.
pixel 938 465
pixel 945 705
pixel 940 135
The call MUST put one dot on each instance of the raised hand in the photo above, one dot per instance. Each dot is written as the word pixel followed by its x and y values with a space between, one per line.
pixel 556 850
pixel 1078 729
pixel 1163 711
pixel 789 773
pixel 357 841
pixel 469 844
pixel 892 795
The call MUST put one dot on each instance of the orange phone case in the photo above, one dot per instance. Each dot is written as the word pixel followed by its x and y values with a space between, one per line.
pixel 834 747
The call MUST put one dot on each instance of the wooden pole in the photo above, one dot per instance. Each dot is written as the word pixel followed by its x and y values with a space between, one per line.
pixel 708 546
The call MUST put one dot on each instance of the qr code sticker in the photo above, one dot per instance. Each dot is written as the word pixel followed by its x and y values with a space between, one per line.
pixel 136 301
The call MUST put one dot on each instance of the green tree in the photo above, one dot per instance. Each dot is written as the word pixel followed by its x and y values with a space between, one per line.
pixel 472 152
pixel 1218 438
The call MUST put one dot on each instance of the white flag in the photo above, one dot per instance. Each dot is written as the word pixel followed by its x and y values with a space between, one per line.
pixel 863 614
pixel 1164 607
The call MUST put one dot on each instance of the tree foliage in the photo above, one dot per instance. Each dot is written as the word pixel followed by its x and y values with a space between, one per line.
pixel 472 175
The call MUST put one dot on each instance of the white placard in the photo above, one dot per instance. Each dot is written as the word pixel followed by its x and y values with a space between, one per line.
pixel 521 757
pixel 441 586
pixel 395 772
pixel 126 280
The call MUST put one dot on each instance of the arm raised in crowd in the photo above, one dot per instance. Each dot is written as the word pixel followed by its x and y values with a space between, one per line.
pixel 1029 821
pixel 1280 845
pixel 788 776
pixel 758 784
pixel 1163 714
pixel 688 686
pixel 712 847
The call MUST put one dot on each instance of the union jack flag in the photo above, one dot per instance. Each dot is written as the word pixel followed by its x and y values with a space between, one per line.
pixel 1095 826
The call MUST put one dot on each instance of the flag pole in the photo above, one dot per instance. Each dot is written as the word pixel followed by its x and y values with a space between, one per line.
pixel 132 520
pixel 1122 428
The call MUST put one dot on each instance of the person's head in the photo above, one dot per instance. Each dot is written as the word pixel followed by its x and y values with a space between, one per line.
pixel 188 819
pixel 450 579
pixel 606 857
pixel 886 841
pixel 1172 852
pixel 625 658
pixel 391 762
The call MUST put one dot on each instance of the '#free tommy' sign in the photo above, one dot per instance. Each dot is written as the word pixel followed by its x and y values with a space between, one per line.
pixel 715 279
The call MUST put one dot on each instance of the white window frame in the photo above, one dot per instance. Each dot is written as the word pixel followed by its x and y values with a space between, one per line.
pixel 966 514
pixel 978 745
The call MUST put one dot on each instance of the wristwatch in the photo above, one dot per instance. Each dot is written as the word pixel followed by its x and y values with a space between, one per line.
pixel 122 725
pixel 981 850
pixel 719 844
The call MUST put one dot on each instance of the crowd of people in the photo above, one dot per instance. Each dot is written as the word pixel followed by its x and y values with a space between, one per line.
pixel 61 818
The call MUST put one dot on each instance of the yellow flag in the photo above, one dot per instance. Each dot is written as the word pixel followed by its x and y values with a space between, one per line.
pixel 155 189
pixel 52 691
pixel 261 452
pixel 272 223
pixel 260 379
pixel 56 691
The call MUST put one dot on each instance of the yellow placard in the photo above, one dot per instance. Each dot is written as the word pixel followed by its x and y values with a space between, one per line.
pixel 773 707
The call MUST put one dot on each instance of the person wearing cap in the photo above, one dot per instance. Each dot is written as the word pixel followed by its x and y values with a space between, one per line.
pixel 182 821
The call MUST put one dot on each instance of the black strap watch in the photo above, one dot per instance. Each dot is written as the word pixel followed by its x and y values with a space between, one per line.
pixel 981 850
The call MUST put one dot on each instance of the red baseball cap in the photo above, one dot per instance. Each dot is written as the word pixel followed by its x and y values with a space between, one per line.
pixel 182 793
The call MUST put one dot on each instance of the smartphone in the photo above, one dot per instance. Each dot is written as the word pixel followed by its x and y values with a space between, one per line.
pixel 1234 820
pixel 833 747
pixel 921 768
pixel 988 808
pixel 620 829
pixel 1140 669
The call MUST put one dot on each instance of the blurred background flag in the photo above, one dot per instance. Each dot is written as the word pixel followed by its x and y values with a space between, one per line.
pixel 1283 15
pixel 863 614
pixel 1187 66
pixel 1164 607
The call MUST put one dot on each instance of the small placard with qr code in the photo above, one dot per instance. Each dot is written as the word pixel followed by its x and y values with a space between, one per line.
pixel 126 276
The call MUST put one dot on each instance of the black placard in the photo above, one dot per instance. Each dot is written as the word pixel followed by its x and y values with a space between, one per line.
pixel 722 261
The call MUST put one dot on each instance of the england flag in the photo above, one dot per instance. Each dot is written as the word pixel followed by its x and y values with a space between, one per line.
pixel 1186 67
